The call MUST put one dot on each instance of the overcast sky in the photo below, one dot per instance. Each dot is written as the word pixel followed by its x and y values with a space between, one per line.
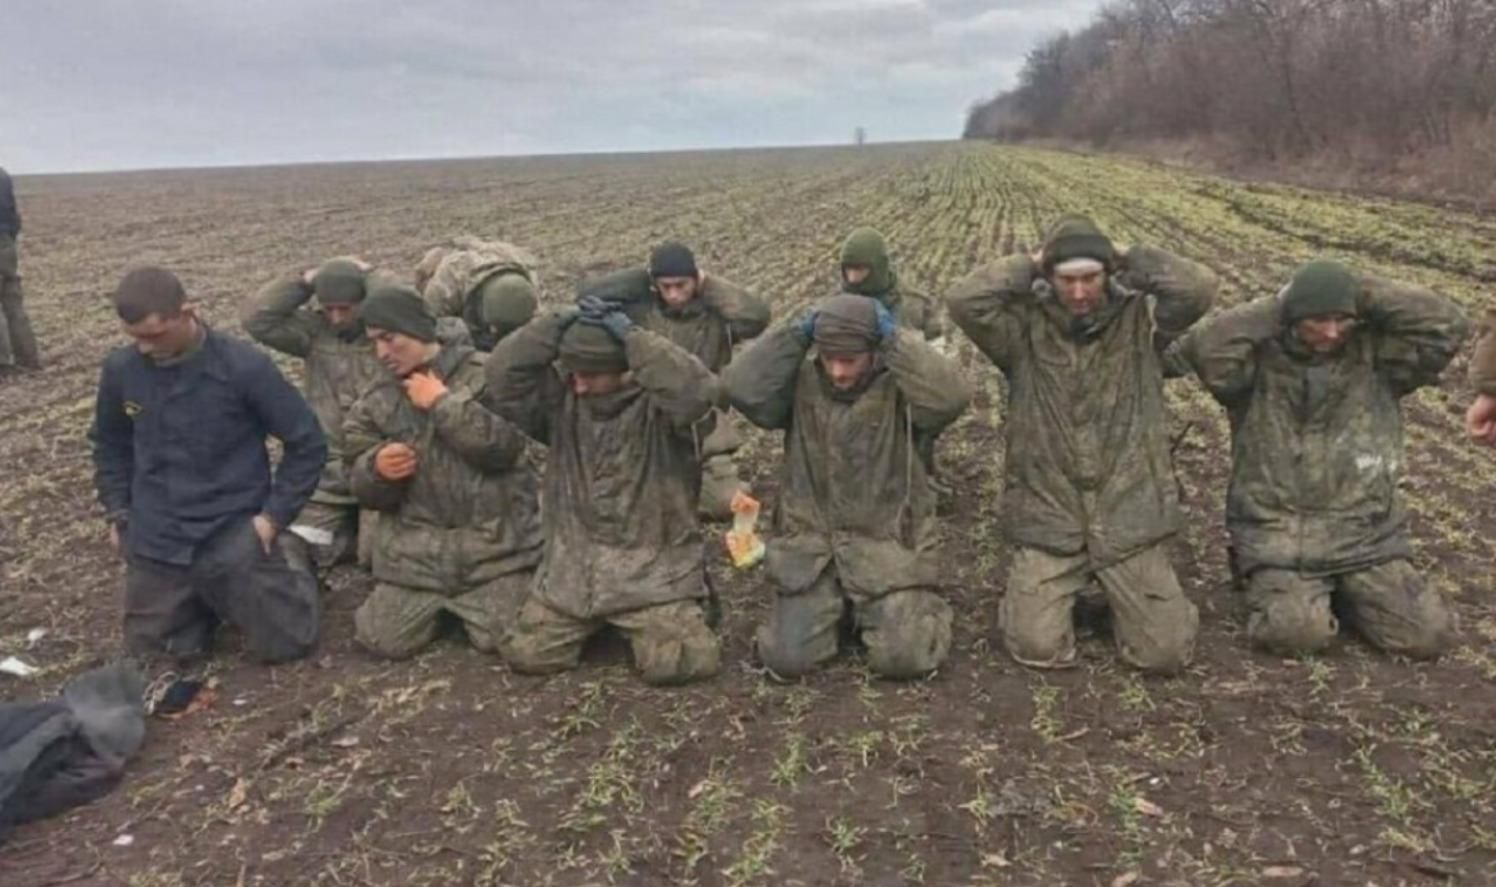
pixel 119 84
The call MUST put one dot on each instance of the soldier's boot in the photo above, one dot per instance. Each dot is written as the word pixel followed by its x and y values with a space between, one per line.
pixel 719 484
pixel 1290 614
pixel 1395 610
pixel 671 643
pixel 907 633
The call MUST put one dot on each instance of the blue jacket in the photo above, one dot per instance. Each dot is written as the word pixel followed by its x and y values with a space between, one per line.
pixel 179 451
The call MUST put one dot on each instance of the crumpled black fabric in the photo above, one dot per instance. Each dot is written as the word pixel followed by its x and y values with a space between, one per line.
pixel 62 753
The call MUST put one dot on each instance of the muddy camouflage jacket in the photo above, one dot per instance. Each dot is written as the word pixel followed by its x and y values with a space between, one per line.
pixel 1088 467
pixel 853 489
pixel 447 278
pixel 1483 361
pixel 911 308
pixel 339 367
pixel 622 478
pixel 1317 442
pixel 470 513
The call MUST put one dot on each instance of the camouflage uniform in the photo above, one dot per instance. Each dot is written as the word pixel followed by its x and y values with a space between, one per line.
pixel 340 366
pixel 462 536
pixel 1317 454
pixel 449 278
pixel 17 341
pixel 1483 360
pixel 1090 492
pixel 623 544
pixel 722 315
pixel 855 523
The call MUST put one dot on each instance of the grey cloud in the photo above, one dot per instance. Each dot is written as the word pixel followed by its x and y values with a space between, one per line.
pixel 96 84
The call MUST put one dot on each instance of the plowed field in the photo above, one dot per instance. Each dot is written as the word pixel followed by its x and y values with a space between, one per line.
pixel 1349 768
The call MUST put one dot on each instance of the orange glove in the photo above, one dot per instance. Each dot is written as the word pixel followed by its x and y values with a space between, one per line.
pixel 424 389
pixel 396 461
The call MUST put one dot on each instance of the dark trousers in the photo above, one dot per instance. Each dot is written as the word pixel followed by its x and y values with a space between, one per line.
pixel 174 609
pixel 17 341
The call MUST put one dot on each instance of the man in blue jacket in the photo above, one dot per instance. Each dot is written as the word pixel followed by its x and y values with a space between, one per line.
pixel 181 468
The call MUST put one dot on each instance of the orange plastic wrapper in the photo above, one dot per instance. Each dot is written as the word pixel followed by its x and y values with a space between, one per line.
pixel 743 544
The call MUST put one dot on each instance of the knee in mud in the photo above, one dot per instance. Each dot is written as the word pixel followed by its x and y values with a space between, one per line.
pixel 678 661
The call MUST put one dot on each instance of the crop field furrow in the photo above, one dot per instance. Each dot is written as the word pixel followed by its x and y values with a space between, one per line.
pixel 1350 767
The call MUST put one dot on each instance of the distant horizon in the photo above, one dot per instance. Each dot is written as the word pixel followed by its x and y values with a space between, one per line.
pixel 351 161
pixel 98 86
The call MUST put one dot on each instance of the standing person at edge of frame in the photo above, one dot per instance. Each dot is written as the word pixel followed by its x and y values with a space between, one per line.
pixel 855 529
pixel 1480 419
pixel 1313 381
pixel 340 366
pixel 458 533
pixel 706 315
pixel 490 285
pixel 617 405
pixel 1090 494
pixel 18 350
pixel 181 467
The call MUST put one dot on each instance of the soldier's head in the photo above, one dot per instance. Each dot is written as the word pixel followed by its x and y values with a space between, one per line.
pixel 155 312
pixel 401 328
pixel 1320 306
pixel 1076 260
pixel 593 361
pixel 866 268
pixel 673 272
pixel 506 302
pixel 339 287
pixel 846 340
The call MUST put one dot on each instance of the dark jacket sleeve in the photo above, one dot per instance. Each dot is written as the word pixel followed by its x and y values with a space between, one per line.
pixel 481 437
pixel 285 415
pixel 931 383
pixel 746 315
pixel 1418 331
pixel 523 385
pixel 1222 351
pixel 678 383
pixel 987 306
pixel 112 437
pixel 275 318
pixel 760 383
pixel 1183 290
pixel 362 440
pixel 10 212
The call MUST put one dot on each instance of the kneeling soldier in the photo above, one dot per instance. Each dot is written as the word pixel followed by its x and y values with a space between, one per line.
pixel 855 531
pixel 616 405
pixel 459 529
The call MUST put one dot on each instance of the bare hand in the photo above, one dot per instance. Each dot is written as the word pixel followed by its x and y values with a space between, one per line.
pixel 396 461
pixel 1480 420
pixel 309 276
pixel 265 528
pixel 424 389
pixel 116 542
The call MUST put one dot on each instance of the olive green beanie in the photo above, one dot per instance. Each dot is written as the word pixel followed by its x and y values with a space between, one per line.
pixel 1321 288
pixel 1077 237
pixel 507 301
pixel 339 282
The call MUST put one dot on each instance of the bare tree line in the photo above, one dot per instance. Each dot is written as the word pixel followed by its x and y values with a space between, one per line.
pixel 1275 79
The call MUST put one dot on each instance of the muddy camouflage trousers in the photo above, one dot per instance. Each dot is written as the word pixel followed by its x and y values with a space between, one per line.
pixel 175 610
pixel 1153 623
pixel 671 643
pixel 1388 604
pixel 397 622
pixel 17 341
pixel 907 632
